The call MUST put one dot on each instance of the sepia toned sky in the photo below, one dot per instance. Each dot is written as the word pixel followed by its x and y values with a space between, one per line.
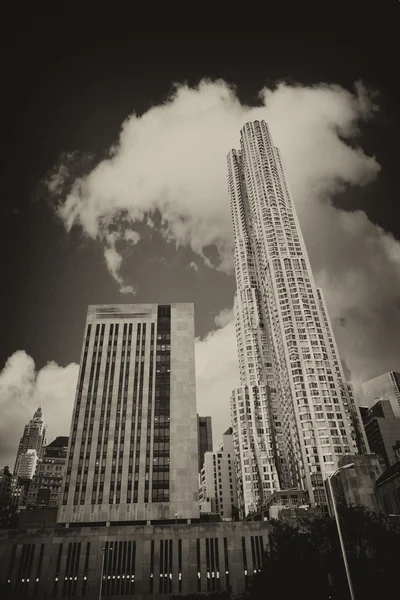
pixel 113 187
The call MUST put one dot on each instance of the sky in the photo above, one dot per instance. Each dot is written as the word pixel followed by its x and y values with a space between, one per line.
pixel 114 190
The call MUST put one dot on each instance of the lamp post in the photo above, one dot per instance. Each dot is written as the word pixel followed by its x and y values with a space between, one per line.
pixel 102 570
pixel 346 564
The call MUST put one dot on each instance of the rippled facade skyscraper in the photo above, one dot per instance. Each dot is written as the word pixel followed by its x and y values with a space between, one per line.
pixel 294 415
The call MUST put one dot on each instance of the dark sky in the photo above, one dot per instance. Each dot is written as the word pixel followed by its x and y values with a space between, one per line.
pixel 63 92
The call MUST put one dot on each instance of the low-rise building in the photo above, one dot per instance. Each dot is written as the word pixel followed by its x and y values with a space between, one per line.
pixel 139 560
pixel 218 492
pixel 353 484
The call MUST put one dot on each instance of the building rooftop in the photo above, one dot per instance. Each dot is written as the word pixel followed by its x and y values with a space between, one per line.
pixel 60 442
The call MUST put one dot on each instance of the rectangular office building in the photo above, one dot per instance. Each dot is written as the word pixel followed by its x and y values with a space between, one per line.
pixel 132 455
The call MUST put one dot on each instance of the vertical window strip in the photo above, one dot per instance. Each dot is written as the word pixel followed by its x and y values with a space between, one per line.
pixel 86 569
pixel 139 411
pixel 151 577
pixel 133 566
pixel 100 463
pixel 38 570
pixel 11 567
pixel 253 554
pixel 208 564
pixel 57 570
pixel 133 479
pixel 246 577
pixel 128 570
pixel 147 482
pixel 212 564
pixel 180 566
pixel 226 558
pixel 109 404
pixel 170 556
pixel 198 554
pixel 160 587
pixel 66 576
pixel 258 544
pixel 161 431
pixel 128 339
pixel 114 495
pixel 123 568
pixel 217 574
pixel 93 411
pixel 20 568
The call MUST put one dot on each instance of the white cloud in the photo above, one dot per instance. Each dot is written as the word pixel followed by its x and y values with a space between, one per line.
pixel 23 390
pixel 194 266
pixel 216 376
pixel 172 159
pixel 224 317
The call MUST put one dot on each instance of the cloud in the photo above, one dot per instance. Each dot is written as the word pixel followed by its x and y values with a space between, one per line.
pixel 216 376
pixel 171 161
pixel 23 389
pixel 224 317
pixel 194 266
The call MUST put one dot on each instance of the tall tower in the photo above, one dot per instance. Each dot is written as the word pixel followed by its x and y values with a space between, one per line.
pixel 33 438
pixel 132 452
pixel 292 415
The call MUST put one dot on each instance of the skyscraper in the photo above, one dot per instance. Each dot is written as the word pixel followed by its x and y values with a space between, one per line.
pixel 293 414
pixel 133 445
pixel 204 438
pixel 33 438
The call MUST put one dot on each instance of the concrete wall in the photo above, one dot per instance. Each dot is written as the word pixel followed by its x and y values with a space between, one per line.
pixel 67 561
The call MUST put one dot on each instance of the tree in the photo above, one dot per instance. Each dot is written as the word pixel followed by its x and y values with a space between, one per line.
pixel 306 559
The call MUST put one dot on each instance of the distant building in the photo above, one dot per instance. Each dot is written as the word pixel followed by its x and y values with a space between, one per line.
pixel 46 487
pixel 204 438
pixel 353 484
pixel 33 438
pixel 384 387
pixel 5 487
pixel 218 493
pixel 282 501
pixel 27 464
pixel 382 430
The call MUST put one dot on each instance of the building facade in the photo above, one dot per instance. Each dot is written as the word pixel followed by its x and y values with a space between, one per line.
pixel 139 561
pixel 132 452
pixel 218 480
pixel 382 430
pixel 384 387
pixel 291 416
pixel 204 438
pixel 6 478
pixel 354 482
pixel 27 464
pixel 388 490
pixel 45 489
pixel 33 438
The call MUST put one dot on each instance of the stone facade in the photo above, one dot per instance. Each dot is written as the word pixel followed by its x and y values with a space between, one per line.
pixel 137 359
pixel 139 561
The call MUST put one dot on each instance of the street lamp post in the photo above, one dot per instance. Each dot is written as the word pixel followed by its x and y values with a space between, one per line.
pixel 335 512
pixel 102 571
